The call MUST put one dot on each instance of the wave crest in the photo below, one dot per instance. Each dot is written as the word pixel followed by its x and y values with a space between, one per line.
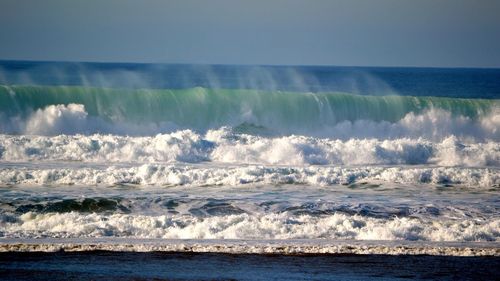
pixel 59 110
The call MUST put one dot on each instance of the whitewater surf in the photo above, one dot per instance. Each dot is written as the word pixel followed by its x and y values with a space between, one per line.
pixel 242 160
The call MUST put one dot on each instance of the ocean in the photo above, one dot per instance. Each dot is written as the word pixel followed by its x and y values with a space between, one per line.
pixel 246 163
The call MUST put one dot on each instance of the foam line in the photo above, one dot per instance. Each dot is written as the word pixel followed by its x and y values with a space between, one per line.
pixel 230 246
pixel 181 175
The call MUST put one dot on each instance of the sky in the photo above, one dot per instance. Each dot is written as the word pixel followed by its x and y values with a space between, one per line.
pixel 436 33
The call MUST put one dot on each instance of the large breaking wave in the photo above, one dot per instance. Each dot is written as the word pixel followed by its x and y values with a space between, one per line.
pixel 280 135
pixel 234 160
pixel 71 110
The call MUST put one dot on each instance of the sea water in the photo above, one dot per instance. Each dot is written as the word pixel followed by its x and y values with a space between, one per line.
pixel 272 157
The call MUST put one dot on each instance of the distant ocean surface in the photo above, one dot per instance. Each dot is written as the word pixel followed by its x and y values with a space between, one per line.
pixel 252 153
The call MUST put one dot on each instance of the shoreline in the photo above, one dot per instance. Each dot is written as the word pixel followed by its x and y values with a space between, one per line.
pixel 259 247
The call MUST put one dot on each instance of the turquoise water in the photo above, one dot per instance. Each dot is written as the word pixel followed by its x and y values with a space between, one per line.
pixel 127 151
pixel 202 108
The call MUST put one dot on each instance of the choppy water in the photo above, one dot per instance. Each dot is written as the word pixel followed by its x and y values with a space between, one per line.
pixel 186 152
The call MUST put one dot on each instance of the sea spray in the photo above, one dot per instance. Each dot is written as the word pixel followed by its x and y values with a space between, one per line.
pixel 317 154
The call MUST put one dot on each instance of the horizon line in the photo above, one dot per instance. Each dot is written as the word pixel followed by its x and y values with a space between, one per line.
pixel 245 64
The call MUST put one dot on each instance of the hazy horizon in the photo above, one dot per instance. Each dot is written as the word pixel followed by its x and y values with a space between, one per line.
pixel 385 33
pixel 245 65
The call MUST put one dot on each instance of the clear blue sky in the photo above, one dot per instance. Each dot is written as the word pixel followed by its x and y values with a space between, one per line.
pixel 446 33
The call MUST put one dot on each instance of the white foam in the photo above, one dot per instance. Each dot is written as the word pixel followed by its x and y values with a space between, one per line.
pixel 73 119
pixel 172 175
pixel 57 118
pixel 249 226
pixel 226 147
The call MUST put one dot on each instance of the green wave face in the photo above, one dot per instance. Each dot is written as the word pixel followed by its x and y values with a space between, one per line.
pixel 201 108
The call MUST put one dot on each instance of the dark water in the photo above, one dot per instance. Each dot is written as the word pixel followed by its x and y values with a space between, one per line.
pixel 438 82
pixel 205 266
